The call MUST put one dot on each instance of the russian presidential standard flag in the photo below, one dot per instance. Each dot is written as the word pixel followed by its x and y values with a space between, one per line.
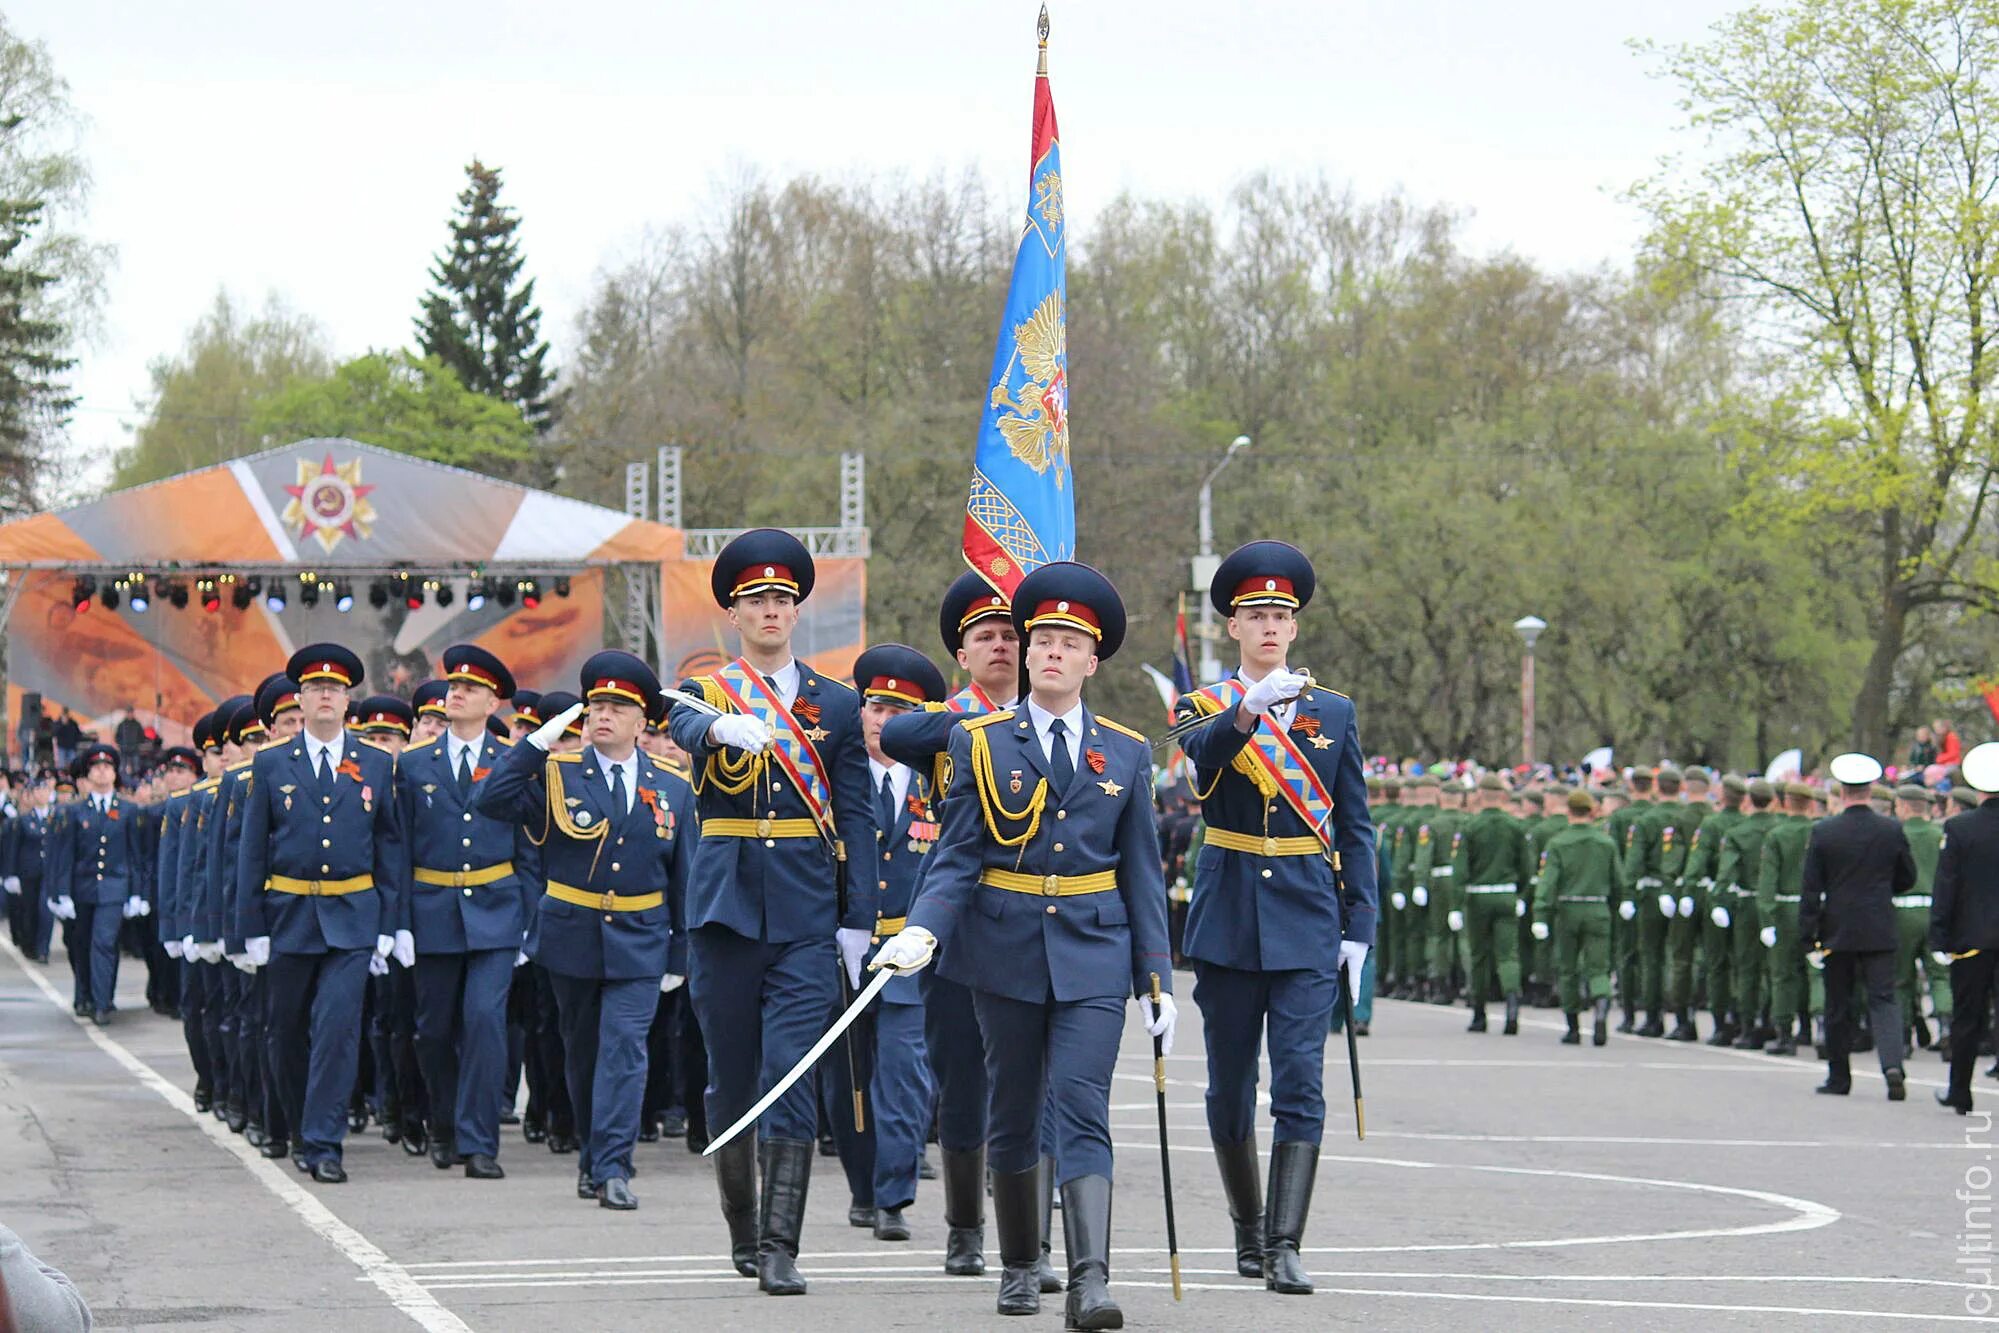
pixel 1021 512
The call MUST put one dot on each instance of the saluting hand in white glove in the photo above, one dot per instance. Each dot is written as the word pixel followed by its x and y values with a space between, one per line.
pixel 549 732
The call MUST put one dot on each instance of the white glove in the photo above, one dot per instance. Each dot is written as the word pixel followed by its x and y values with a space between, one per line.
pixel 173 948
pixel 243 963
pixel 1668 905
pixel 189 949
pixel 1455 920
pixel 258 948
pixel 211 952
pixel 1420 896
pixel 1400 899
pixel 1720 917
pixel 741 732
pixel 1353 957
pixel 64 909
pixel 12 884
pixel 1687 905
pixel 1159 1024
pixel 1627 909
pixel 906 952
pixel 1769 936
pixel 1520 907
pixel 671 982
pixel 1539 930
pixel 1278 687
pixel 404 949
pixel 853 945
pixel 378 966
pixel 1816 958
pixel 383 944
pixel 132 906
pixel 549 732
pixel 1942 958
pixel 521 958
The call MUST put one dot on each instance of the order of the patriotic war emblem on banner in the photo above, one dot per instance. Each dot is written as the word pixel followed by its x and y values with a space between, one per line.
pixel 329 502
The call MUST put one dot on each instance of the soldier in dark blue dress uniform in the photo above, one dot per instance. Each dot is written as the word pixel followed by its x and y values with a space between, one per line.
pixel 523 713
pixel 781 780
pixel 466 915
pixel 21 862
pixel 1283 894
pixel 1046 898
pixel 194 911
pixel 180 768
pixel 96 861
pixel 616 866
pixel 318 886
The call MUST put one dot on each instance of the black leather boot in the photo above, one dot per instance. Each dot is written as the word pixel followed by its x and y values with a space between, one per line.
pixel 1683 1027
pixel 965 1212
pixel 1726 1030
pixel 1051 1281
pixel 1655 1026
pixel 1477 1023
pixel 787 1172
pixel 1292 1168
pixel 1086 1230
pixel 736 1179
pixel 1512 1028
pixel 1574 1036
pixel 1245 1195
pixel 1017 1217
pixel 1630 1023
pixel 1601 1033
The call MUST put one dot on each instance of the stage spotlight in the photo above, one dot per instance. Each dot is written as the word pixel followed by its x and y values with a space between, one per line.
pixel 109 597
pixel 378 594
pixel 530 594
pixel 275 598
pixel 412 595
pixel 81 592
pixel 177 595
pixel 475 595
pixel 562 586
pixel 343 596
pixel 308 593
pixel 444 593
pixel 211 597
pixel 138 600
pixel 241 595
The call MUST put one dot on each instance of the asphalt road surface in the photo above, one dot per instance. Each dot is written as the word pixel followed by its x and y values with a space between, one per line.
pixel 1504 1183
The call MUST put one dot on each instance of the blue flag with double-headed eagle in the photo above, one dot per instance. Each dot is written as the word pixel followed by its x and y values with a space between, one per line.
pixel 1021 512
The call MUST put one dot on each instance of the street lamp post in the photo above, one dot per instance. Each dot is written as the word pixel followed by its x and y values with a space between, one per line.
pixel 1206 563
pixel 1529 629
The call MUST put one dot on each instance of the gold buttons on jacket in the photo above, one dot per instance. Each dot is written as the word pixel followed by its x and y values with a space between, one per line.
pixel 1061 814
pixel 1051 910
pixel 1058 846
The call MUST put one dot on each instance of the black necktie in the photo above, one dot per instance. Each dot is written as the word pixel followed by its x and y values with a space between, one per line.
pixel 465 770
pixel 617 789
pixel 1059 762
pixel 325 768
pixel 885 803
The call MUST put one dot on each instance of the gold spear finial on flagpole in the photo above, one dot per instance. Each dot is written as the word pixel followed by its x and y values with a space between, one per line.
pixel 1041 32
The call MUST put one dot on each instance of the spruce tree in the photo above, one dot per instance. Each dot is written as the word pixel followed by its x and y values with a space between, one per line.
pixel 35 402
pixel 479 318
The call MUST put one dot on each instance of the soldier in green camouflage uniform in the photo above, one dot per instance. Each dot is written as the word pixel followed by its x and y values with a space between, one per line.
pixel 1912 919
pixel 1491 874
pixel 1709 893
pixel 1412 970
pixel 1737 875
pixel 1623 825
pixel 1545 990
pixel 1578 876
pixel 1683 931
pixel 1431 874
pixel 1651 837
pixel 1779 889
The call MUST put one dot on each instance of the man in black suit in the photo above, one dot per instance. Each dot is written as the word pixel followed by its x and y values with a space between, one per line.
pixel 1855 863
pixel 1964 920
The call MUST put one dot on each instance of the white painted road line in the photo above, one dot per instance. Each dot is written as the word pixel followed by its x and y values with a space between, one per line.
pixel 393 1280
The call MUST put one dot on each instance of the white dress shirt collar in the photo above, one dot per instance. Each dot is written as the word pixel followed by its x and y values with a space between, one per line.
pixel 784 682
pixel 630 765
pixel 455 747
pixel 897 774
pixel 334 750
pixel 1072 724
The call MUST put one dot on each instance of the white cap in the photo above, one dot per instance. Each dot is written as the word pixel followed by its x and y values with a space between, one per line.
pixel 1855 770
pixel 1981 767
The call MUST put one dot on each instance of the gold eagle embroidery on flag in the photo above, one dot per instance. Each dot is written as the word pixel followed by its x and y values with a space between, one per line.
pixel 1038 432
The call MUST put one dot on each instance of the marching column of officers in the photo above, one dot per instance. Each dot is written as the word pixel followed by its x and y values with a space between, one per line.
pixel 1795 922
pixel 363 907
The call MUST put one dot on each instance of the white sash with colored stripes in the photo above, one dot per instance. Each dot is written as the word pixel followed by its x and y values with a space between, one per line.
pixel 971 700
pixel 753 695
pixel 1281 758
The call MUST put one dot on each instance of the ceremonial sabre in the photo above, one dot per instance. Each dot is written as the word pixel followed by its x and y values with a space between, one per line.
pixel 840 1025
pixel 1165 1156
pixel 1353 1057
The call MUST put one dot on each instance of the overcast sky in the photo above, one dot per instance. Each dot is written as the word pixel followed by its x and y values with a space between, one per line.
pixel 315 151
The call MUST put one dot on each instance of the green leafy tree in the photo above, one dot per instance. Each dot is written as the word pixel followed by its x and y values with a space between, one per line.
pixel 33 394
pixel 1843 201
pixel 480 318
pixel 205 396
pixel 411 404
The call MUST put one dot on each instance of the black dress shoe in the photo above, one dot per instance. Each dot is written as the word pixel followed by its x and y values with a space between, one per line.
pixel 674 1124
pixel 391 1131
pixel 1832 1089
pixel 561 1143
pixel 478 1166
pixel 298 1160
pixel 510 1117
pixel 827 1148
pixel 616 1193
pixel 202 1100
pixel 276 1149
pixel 860 1216
pixel 357 1120
pixel 254 1136
pixel 889 1224
pixel 416 1143
pixel 533 1131
pixel 1950 1103
pixel 584 1188
pixel 1360 1029
pixel 1897 1085
pixel 924 1170
pixel 329 1172
pixel 649 1132
pixel 102 1018
pixel 443 1153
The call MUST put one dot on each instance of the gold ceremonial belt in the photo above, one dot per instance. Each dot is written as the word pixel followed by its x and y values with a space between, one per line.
pixel 759 828
pixel 1050 886
pixel 319 888
pixel 463 879
pixel 604 902
pixel 891 925
pixel 1255 846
